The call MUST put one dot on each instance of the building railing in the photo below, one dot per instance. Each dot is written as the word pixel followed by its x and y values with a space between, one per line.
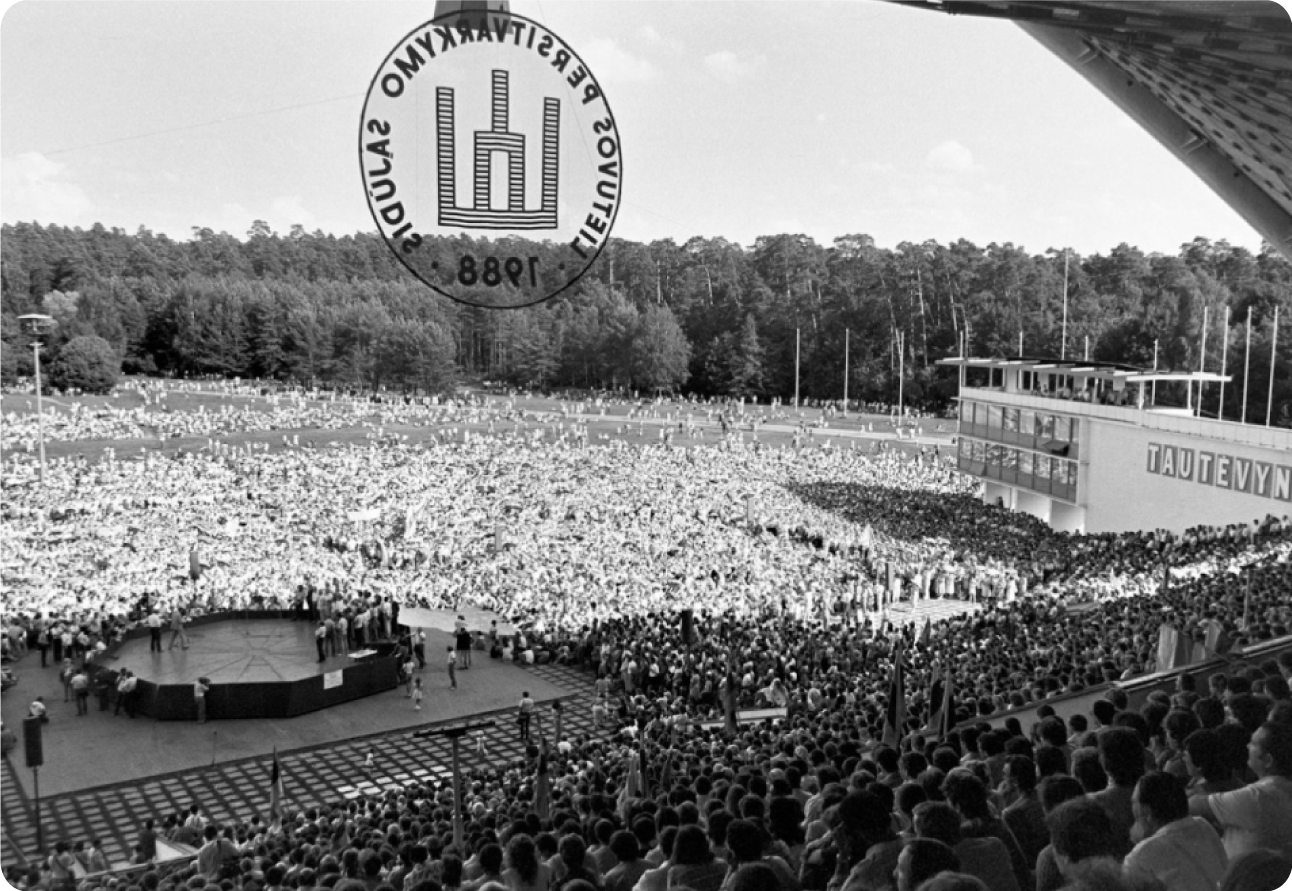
pixel 1227 431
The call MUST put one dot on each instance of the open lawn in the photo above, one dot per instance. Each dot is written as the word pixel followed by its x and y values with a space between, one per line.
pixel 543 414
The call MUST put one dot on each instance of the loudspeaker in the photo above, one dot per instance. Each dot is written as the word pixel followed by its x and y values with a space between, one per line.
pixel 688 626
pixel 31 739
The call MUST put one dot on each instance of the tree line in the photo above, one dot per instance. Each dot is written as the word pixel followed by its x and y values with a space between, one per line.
pixel 707 316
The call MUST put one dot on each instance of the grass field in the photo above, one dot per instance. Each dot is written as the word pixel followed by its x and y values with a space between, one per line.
pixel 856 431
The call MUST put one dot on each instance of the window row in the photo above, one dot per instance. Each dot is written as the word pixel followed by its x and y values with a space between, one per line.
pixel 1024 463
pixel 1026 421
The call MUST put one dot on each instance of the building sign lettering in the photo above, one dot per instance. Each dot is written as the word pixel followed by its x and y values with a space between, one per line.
pixel 1222 471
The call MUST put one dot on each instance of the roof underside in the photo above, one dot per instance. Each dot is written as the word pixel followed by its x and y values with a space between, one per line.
pixel 1210 80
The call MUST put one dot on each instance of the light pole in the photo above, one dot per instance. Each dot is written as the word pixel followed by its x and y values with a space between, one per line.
pixel 37 325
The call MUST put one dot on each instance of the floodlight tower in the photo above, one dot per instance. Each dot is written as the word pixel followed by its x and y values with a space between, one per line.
pixel 37 326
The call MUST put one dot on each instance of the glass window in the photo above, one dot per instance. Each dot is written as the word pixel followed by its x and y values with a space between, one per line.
pixel 1009 419
pixel 995 454
pixel 994 417
pixel 1025 463
pixel 1009 459
pixel 1045 427
pixel 1042 467
pixel 1027 422
pixel 1062 428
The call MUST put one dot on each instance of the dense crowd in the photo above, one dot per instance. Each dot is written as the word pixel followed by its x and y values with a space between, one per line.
pixel 1190 792
pixel 796 561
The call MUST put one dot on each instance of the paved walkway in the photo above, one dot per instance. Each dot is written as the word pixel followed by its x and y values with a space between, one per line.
pixel 236 790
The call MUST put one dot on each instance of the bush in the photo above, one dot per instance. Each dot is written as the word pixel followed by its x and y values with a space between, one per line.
pixel 8 364
pixel 87 363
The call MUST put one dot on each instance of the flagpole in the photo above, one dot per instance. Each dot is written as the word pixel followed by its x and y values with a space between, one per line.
pixel 1224 363
pixel 1202 355
pixel 1274 346
pixel 1247 363
pixel 1153 397
pixel 901 369
pixel 846 334
pixel 1063 342
pixel 796 368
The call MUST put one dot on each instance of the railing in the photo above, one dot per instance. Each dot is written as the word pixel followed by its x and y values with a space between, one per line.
pixel 1226 431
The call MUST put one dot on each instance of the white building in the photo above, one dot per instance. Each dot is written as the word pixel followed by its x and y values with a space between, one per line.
pixel 1082 447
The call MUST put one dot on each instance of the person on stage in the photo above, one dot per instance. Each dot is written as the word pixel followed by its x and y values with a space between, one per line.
pixel 177 619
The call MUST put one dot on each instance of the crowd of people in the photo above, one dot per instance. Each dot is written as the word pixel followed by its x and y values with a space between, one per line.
pixel 806 569
pixel 1192 791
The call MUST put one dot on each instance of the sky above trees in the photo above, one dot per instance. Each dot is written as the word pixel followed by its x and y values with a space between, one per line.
pixel 739 120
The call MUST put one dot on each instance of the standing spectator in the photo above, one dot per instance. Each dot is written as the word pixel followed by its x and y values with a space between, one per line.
pixel 320 638
pixel 624 874
pixel 525 712
pixel 525 871
pixel 921 859
pixel 452 665
pixel 419 648
pixel 407 670
pixel 1025 817
pixel 694 865
pixel 201 687
pixel 1080 831
pixel 1258 815
pixel 1121 754
pixel 462 638
pixel 65 675
pixel 154 622
pixel 178 617
pixel 871 844
pixel 81 690
pixel 95 861
pixel 1180 851
pixel 984 857
pixel 417 694
pixel 37 710
pixel 148 841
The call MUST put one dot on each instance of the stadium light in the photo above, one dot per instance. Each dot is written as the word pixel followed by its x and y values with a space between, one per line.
pixel 37 325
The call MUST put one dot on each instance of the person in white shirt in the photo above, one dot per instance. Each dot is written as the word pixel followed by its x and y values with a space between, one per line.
pixel 1184 853
pixel 1258 815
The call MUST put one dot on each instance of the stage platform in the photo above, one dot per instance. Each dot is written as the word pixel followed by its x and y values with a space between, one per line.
pixel 123 750
pixel 259 666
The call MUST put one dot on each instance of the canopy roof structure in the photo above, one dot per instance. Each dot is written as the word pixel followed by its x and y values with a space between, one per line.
pixel 1209 79
pixel 1105 371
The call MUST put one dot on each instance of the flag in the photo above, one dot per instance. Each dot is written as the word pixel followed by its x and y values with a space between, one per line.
pixel 643 768
pixel 275 790
pixel 1247 603
pixel 1165 588
pixel 632 784
pixel 543 786
pixel 927 633
pixel 729 703
pixel 941 712
pixel 1218 640
pixel 896 714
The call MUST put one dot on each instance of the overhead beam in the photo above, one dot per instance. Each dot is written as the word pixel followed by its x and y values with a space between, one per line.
pixel 1210 165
